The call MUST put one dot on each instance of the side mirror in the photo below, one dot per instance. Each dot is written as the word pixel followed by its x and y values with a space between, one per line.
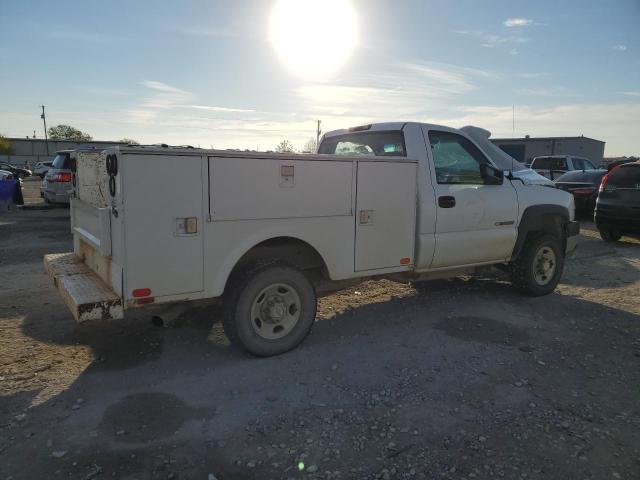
pixel 491 175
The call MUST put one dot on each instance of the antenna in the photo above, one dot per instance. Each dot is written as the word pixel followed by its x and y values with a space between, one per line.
pixel 513 119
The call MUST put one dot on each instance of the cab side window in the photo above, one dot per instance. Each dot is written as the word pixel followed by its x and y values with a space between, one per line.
pixel 456 159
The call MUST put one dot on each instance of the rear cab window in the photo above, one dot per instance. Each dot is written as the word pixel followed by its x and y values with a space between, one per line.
pixel 371 144
pixel 62 161
pixel 549 163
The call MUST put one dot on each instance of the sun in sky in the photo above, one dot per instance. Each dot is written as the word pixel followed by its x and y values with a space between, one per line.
pixel 313 38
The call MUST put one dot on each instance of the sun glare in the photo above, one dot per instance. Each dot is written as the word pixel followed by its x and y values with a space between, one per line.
pixel 313 38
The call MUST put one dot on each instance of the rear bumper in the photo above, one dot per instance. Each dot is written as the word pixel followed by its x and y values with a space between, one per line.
pixel 573 233
pixel 86 295
pixel 56 197
pixel 622 220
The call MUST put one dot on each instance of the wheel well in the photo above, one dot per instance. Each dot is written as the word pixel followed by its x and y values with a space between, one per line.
pixel 292 250
pixel 541 219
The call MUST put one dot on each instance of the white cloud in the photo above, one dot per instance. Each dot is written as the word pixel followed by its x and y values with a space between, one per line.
pixel 619 48
pixel 162 87
pixel 630 94
pixel 218 109
pixel 489 40
pixel 517 22
pixel 616 124
pixel 404 90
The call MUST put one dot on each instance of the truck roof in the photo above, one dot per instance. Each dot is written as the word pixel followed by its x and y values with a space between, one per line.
pixel 386 126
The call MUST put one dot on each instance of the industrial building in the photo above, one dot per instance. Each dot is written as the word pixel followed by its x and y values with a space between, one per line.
pixel 34 150
pixel 526 149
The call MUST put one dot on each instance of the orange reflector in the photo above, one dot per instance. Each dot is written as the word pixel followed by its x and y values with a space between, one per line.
pixel 405 261
pixel 141 292
pixel 144 301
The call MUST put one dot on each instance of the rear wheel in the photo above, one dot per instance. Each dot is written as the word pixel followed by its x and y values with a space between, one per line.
pixel 610 235
pixel 538 268
pixel 270 308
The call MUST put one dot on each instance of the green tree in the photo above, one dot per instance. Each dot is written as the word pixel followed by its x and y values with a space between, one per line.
pixel 285 146
pixel 129 141
pixel 5 146
pixel 67 132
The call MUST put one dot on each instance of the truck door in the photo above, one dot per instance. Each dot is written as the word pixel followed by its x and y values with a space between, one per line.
pixel 476 222
pixel 385 215
pixel 163 215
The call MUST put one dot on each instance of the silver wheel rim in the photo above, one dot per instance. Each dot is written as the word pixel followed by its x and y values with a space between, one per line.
pixel 275 311
pixel 544 265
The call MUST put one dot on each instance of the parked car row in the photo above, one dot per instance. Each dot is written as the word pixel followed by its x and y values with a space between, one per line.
pixel 16 171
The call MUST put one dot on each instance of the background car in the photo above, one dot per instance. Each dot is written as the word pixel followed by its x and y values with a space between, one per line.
pixel 554 166
pixel 583 185
pixel 17 171
pixel 617 210
pixel 6 175
pixel 42 168
pixel 57 185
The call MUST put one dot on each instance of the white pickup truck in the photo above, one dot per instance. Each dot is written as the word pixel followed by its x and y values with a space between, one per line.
pixel 266 232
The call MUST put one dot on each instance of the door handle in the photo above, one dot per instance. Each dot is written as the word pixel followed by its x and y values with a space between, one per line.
pixel 447 201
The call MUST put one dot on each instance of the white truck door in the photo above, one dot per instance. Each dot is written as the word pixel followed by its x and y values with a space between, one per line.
pixel 163 205
pixel 476 223
pixel 385 215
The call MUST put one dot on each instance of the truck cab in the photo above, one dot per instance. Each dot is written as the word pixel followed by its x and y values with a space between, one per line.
pixel 267 232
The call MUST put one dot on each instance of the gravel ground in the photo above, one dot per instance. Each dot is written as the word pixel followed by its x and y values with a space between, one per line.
pixel 463 379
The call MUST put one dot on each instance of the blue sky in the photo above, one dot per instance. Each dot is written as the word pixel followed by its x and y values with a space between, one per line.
pixel 205 73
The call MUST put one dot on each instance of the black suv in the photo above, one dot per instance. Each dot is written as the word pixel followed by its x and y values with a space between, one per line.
pixel 618 205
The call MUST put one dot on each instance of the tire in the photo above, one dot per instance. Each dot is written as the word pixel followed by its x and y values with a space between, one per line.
pixel 610 235
pixel 269 308
pixel 544 251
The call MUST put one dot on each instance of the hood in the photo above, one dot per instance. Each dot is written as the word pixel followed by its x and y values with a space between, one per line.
pixel 530 177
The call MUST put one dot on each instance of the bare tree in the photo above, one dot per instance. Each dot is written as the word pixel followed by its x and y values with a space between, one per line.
pixel 285 146
pixel 310 146
pixel 129 141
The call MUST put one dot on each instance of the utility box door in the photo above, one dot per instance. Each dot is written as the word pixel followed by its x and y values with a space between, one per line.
pixel 385 215
pixel 163 224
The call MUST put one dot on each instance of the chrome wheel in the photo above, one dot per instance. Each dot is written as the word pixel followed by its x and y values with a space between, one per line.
pixel 544 265
pixel 275 311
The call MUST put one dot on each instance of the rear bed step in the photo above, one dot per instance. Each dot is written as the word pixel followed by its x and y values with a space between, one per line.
pixel 86 295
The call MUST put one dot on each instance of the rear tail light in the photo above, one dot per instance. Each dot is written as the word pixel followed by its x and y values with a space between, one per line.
pixel 605 179
pixel 141 292
pixel 61 177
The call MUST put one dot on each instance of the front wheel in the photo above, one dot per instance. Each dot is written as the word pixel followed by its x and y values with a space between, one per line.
pixel 610 235
pixel 270 308
pixel 538 268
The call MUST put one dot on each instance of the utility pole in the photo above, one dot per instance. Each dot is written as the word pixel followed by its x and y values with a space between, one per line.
pixel 318 132
pixel 44 120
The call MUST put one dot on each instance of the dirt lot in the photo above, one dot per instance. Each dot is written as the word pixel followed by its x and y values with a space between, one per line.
pixel 464 380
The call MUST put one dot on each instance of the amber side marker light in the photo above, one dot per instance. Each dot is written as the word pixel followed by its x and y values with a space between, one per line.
pixel 405 261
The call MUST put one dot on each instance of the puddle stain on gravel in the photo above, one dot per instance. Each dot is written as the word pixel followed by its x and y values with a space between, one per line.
pixel 147 416
pixel 482 329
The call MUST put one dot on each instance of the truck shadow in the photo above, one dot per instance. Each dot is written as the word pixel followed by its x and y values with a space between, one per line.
pixel 443 335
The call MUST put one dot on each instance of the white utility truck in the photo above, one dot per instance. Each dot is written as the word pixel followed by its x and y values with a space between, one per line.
pixel 266 232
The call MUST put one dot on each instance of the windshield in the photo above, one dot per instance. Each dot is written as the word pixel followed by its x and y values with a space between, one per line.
pixel 61 161
pixel 373 144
